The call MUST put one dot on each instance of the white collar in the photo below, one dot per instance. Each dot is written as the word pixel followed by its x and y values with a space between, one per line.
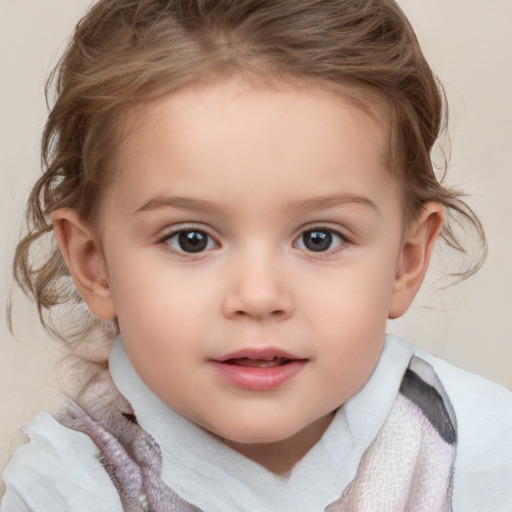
pixel 212 476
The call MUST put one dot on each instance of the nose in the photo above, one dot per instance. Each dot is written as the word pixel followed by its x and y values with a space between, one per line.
pixel 258 289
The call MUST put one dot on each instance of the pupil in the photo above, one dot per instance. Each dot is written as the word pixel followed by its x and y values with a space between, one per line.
pixel 317 240
pixel 193 241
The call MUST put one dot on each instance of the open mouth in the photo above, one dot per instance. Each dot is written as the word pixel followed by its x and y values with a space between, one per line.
pixel 258 369
pixel 258 363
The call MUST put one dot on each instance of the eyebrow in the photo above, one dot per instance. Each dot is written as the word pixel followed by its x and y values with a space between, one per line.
pixel 179 203
pixel 330 201
pixel 300 206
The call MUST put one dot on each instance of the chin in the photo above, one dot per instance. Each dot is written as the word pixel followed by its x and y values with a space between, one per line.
pixel 260 437
pixel 256 432
pixel 242 430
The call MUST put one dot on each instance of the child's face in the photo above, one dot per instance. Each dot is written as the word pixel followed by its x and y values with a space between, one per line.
pixel 249 224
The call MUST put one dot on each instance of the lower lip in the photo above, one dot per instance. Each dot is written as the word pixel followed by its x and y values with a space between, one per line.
pixel 258 378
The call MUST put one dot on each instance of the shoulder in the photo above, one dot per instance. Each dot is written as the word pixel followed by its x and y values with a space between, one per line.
pixel 57 471
pixel 478 402
pixel 483 410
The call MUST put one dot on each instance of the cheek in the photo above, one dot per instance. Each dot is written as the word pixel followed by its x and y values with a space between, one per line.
pixel 355 296
pixel 160 304
pixel 348 313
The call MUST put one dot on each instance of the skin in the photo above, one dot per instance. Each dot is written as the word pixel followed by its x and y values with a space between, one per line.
pixel 254 169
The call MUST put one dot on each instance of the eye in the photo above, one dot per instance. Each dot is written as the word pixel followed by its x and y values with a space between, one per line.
pixel 190 241
pixel 319 240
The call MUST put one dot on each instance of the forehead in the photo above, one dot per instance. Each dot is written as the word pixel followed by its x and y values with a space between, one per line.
pixel 220 135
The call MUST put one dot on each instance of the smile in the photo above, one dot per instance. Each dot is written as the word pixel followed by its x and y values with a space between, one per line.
pixel 258 370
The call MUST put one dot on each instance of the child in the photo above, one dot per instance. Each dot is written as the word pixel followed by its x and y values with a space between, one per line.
pixel 242 190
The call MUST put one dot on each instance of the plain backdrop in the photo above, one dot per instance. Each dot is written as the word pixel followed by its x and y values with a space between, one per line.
pixel 469 45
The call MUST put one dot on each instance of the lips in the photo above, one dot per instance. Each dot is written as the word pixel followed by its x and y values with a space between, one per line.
pixel 258 363
pixel 258 369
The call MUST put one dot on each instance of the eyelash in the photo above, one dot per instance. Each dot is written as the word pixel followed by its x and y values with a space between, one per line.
pixel 333 234
pixel 183 230
pixel 211 243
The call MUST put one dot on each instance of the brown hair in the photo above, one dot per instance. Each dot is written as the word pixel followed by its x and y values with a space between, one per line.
pixel 124 52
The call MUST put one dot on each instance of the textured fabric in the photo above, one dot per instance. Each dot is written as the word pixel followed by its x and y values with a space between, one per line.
pixel 130 456
pixel 57 471
pixel 409 466
pixel 420 435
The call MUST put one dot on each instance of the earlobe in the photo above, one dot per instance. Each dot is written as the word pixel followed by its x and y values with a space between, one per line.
pixel 84 258
pixel 417 247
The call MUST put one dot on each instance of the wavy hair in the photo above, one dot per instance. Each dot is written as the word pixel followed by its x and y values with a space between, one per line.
pixel 127 52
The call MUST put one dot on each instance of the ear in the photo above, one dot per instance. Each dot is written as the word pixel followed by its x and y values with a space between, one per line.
pixel 417 245
pixel 80 248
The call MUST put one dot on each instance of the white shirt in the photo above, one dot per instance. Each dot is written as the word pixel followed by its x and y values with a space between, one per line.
pixel 58 470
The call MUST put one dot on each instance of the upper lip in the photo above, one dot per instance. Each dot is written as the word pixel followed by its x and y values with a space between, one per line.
pixel 261 354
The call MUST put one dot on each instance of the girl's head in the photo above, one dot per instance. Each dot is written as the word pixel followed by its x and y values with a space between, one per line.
pixel 245 188
pixel 127 56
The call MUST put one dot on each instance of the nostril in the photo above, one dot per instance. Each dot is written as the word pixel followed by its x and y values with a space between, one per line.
pixel 256 302
pixel 277 313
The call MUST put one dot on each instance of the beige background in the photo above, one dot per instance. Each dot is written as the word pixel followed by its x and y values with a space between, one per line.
pixel 469 44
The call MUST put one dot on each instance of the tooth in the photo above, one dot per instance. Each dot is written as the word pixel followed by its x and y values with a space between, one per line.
pixel 262 363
